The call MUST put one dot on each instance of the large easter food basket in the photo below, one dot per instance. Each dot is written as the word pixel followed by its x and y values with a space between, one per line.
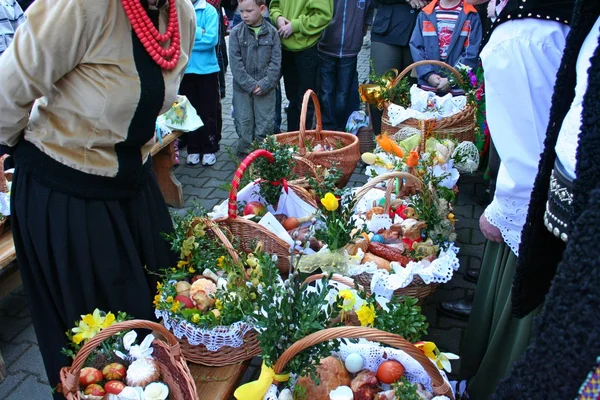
pixel 218 346
pixel 460 126
pixel 346 147
pixel 167 353
pixel 373 354
pixel 248 232
pixel 417 288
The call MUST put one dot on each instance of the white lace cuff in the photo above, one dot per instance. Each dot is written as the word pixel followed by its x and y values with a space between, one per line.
pixel 508 215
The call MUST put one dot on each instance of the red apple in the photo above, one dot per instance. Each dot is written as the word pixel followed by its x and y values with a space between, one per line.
pixel 114 371
pixel 256 208
pixel 185 301
pixel 94 389
pixel 114 387
pixel 89 375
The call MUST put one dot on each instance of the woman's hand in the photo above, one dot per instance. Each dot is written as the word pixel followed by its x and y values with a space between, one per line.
pixel 417 4
pixel 434 80
pixel 490 232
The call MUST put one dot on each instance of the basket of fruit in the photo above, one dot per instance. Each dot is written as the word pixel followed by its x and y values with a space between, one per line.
pixel 205 299
pixel 245 228
pixel 154 370
pixel 325 148
pixel 364 369
pixel 409 249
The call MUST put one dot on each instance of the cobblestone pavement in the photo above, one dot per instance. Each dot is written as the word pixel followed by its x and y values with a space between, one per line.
pixel 205 186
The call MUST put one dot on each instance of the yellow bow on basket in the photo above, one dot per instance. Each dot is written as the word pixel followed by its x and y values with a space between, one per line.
pixel 257 389
pixel 372 93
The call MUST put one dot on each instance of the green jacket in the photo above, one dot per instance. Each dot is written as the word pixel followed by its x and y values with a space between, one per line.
pixel 308 17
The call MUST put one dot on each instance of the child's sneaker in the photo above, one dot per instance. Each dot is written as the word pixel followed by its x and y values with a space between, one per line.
pixel 193 159
pixel 209 159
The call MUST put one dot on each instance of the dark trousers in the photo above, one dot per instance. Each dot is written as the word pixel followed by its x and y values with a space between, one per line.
pixel 222 56
pixel 300 73
pixel 386 56
pixel 337 80
pixel 203 93
pixel 278 101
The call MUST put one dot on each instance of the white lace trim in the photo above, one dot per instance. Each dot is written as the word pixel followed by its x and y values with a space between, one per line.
pixel 508 215
pixel 384 284
pixel 374 354
pixel 213 339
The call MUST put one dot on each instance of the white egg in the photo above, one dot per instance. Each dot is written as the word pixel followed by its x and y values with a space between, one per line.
pixel 341 393
pixel 354 363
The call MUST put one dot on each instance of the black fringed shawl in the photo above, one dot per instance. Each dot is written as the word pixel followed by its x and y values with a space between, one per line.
pixel 566 337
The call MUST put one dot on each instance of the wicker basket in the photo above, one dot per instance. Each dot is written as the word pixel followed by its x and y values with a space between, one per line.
pixel 417 288
pixel 226 355
pixel 439 384
pixel 345 157
pixel 460 126
pixel 167 353
pixel 248 232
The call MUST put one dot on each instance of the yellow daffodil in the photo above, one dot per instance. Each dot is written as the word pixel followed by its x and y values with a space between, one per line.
pixel 220 261
pixel 159 286
pixel 366 315
pixel 196 318
pixel 349 299
pixel 176 306
pixel 182 263
pixel 330 202
pixel 191 270
pixel 442 360
pixel 156 299
pixel 170 299
pixel 428 348
pixel 218 304
pixel 91 324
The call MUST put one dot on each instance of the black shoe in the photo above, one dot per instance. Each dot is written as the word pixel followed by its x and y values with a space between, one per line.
pixel 472 275
pixel 460 308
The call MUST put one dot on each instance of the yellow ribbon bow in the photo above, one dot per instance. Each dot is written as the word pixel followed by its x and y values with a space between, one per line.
pixel 256 390
pixel 371 93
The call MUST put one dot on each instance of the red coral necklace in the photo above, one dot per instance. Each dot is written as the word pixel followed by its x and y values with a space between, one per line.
pixel 151 38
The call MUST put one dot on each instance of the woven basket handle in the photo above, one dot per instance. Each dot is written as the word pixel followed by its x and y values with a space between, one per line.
pixel 303 114
pixel 70 376
pixel 224 240
pixel 412 66
pixel 388 193
pixel 3 185
pixel 235 183
pixel 440 386
pixel 335 277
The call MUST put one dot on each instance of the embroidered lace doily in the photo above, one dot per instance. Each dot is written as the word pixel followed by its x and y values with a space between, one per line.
pixel 213 339
pixel 374 354
pixel 383 283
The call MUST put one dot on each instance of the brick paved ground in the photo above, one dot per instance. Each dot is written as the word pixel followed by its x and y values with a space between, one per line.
pixel 27 379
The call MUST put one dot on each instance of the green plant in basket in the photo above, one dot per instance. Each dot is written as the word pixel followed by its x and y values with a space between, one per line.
pixel 273 174
pixel 287 313
pixel 336 227
pixel 325 181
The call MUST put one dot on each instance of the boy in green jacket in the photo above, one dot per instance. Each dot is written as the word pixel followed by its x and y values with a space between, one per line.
pixel 300 24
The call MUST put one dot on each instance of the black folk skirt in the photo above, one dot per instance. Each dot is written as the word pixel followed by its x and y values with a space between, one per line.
pixel 77 254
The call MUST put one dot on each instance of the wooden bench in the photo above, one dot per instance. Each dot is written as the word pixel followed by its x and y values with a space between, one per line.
pixel 10 278
pixel 218 383
pixel 162 164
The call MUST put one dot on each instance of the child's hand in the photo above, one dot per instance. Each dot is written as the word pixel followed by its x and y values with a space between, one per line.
pixel 286 30
pixel 257 91
pixel 444 85
pixel 282 21
pixel 434 80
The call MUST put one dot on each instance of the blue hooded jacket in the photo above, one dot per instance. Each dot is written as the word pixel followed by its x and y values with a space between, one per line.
pixel 203 59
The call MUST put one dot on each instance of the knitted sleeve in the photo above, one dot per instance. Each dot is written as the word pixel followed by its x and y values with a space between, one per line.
pixel 52 42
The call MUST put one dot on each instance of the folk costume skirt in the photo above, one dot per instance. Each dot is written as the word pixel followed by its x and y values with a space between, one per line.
pixel 77 254
pixel 494 339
